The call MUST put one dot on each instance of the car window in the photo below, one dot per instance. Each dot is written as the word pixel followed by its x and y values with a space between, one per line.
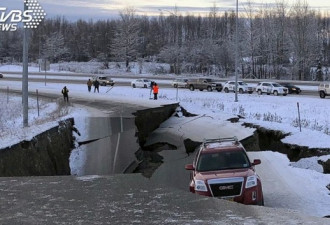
pixel 276 85
pixel 222 161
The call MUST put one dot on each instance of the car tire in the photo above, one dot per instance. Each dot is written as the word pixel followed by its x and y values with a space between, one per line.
pixel 261 203
pixel 145 86
pixel 201 89
pixel 209 88
pixel 250 92
pixel 322 94
pixel 175 86
pixel 275 93
pixel 219 90
pixel 191 87
pixel 240 91
pixel 133 85
pixel 226 90
pixel 259 92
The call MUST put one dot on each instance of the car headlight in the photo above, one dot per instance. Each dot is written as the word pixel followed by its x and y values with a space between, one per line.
pixel 200 186
pixel 293 89
pixel 251 181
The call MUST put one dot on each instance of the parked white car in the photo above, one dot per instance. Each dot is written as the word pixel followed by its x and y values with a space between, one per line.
pixel 271 88
pixel 242 87
pixel 141 83
pixel 180 83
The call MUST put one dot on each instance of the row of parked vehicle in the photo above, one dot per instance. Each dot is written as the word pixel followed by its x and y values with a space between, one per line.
pixel 208 84
pixel 242 87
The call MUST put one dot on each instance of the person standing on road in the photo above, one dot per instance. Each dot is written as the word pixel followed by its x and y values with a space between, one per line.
pixel 155 90
pixel 89 85
pixel 151 88
pixel 65 92
pixel 96 86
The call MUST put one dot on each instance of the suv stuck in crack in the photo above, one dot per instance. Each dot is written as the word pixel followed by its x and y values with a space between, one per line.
pixel 324 89
pixel 222 169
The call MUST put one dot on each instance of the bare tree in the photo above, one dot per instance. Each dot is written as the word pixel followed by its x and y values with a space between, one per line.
pixel 54 48
pixel 303 30
pixel 126 41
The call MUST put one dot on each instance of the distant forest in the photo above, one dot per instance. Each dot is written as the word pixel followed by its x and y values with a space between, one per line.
pixel 280 41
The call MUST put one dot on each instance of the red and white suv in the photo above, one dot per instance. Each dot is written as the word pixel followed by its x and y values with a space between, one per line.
pixel 222 169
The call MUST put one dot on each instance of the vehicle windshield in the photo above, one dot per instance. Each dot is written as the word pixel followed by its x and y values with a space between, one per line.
pixel 222 161
pixel 276 85
pixel 242 83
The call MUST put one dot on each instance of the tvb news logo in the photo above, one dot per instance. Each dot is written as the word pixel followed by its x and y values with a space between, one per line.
pixel 31 17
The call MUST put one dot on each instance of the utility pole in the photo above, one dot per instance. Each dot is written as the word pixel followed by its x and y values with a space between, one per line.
pixel 236 53
pixel 25 86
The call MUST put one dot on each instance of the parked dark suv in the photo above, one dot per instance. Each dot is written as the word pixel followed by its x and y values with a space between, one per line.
pixel 291 88
pixel 222 169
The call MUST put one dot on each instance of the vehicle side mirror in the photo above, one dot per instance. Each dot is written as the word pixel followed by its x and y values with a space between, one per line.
pixel 189 167
pixel 256 162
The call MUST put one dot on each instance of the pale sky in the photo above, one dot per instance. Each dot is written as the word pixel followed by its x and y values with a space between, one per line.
pixel 103 9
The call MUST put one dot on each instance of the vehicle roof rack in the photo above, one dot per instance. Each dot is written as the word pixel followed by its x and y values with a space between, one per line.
pixel 217 140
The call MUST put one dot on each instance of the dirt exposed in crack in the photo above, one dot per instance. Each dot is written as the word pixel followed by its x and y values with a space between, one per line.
pixel 149 159
pixel 265 139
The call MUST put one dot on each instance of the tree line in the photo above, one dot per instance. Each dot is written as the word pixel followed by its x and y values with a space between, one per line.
pixel 278 41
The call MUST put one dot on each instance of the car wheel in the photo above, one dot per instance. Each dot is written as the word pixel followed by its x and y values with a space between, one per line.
pixel 133 85
pixel 201 89
pixel 219 90
pixel 284 94
pixel 240 91
pixel 145 86
pixel 175 85
pixel 226 90
pixel 209 88
pixel 259 92
pixel 261 203
pixel 322 94
pixel 275 93
pixel 191 87
pixel 250 92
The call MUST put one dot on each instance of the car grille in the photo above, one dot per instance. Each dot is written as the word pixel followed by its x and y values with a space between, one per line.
pixel 226 187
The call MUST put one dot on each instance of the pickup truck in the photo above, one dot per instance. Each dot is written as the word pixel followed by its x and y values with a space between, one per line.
pixel 204 83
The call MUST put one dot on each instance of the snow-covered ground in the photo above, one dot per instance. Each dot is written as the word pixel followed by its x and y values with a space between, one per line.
pixel 273 112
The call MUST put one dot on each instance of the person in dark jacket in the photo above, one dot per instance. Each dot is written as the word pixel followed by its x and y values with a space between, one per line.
pixel 65 92
pixel 96 86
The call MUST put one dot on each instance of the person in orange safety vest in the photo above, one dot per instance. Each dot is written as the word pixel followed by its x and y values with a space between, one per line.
pixel 155 90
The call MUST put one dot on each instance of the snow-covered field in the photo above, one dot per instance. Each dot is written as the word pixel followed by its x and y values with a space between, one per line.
pixel 273 112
